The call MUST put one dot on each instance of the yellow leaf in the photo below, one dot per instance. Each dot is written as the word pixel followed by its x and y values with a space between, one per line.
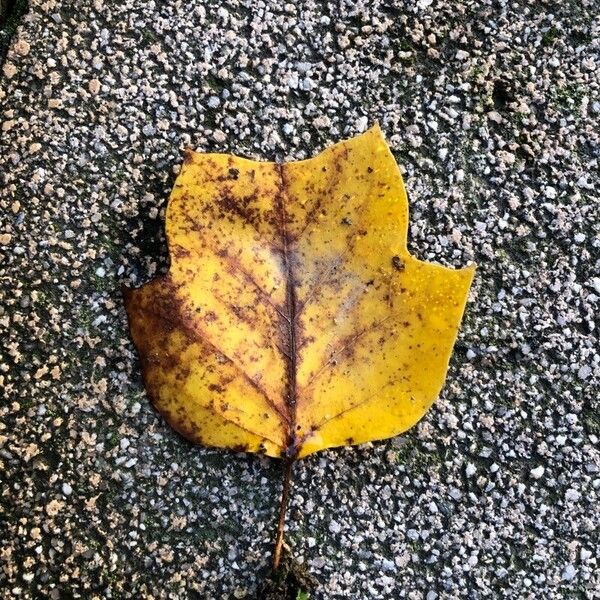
pixel 293 317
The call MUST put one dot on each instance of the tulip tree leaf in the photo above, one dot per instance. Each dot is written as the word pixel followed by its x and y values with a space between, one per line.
pixel 293 317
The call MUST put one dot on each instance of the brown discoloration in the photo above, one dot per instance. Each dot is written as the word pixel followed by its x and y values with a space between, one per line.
pixel 398 264
pixel 167 313
pixel 240 448
pixel 232 207
pixel 235 267
pixel 183 373
pixel 290 337
pixel 345 349
pixel 180 253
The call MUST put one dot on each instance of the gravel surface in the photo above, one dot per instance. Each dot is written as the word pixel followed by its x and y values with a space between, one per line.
pixel 493 111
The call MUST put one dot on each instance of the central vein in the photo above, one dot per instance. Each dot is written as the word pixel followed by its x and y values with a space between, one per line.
pixel 291 310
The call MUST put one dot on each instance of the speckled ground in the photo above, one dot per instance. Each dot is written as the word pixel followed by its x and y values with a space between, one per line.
pixel 493 111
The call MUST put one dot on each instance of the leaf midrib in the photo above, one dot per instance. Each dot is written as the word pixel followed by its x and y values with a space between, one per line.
pixel 292 448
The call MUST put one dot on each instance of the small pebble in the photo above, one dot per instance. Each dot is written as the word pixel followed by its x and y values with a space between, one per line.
pixel 537 472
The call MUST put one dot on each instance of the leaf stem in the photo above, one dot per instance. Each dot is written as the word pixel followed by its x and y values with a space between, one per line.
pixel 285 492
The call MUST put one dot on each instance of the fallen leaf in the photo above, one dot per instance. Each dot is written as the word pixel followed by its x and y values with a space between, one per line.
pixel 293 317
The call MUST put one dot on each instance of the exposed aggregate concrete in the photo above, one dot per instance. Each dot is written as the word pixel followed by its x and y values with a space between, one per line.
pixel 492 109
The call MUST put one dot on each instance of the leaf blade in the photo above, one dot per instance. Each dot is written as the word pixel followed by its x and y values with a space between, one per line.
pixel 309 325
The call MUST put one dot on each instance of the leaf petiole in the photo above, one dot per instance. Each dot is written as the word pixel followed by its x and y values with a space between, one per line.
pixel 285 492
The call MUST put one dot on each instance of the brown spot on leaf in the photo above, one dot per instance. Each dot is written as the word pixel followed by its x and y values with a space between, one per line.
pixel 397 263
pixel 180 252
